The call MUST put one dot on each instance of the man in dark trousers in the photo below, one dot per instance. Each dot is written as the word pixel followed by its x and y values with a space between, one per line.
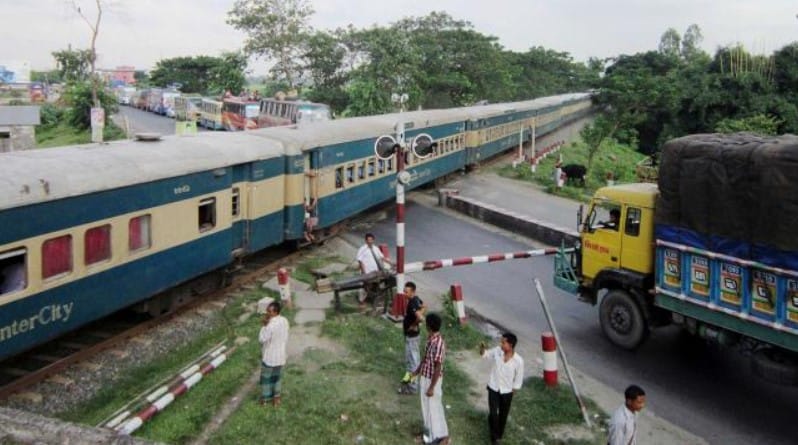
pixel 506 377
pixel 411 324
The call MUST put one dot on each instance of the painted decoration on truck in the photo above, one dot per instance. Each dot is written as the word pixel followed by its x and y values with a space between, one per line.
pixel 673 268
pixel 792 300
pixel 763 292
pixel 699 276
pixel 731 283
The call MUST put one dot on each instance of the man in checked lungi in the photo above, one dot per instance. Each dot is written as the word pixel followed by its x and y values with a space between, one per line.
pixel 273 339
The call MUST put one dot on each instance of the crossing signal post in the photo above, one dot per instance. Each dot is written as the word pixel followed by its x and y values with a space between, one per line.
pixel 385 147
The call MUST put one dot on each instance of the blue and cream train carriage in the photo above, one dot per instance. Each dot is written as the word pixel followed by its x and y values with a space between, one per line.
pixel 88 230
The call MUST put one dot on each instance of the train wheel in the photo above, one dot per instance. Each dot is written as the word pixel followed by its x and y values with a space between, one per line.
pixel 622 320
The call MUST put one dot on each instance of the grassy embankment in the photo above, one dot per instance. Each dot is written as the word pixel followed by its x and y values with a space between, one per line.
pixel 332 397
pixel 613 158
pixel 61 134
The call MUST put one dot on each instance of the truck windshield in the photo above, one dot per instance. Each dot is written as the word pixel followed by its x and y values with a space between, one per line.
pixel 603 215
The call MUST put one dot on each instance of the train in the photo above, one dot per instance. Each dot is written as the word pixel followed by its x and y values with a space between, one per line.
pixel 91 229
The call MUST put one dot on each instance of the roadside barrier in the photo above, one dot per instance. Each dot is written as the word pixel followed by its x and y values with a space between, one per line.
pixel 456 292
pixel 549 344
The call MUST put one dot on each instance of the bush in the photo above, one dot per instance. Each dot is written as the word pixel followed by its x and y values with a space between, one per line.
pixel 79 99
pixel 50 114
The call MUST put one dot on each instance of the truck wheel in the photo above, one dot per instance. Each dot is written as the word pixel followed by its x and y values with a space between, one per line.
pixel 622 320
pixel 776 366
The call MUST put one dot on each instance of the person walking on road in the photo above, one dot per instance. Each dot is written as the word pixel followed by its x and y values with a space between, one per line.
pixel 623 424
pixel 273 338
pixel 370 259
pixel 506 377
pixel 430 373
pixel 411 325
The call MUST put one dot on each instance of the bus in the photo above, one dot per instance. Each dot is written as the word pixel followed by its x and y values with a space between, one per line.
pixel 188 107
pixel 240 114
pixel 275 113
pixel 211 114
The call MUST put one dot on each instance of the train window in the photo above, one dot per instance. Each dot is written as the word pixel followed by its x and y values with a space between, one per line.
pixel 97 244
pixel 339 177
pixel 139 233
pixel 57 256
pixel 207 214
pixel 350 173
pixel 12 271
pixel 381 166
pixel 372 167
pixel 361 170
pixel 389 164
pixel 236 202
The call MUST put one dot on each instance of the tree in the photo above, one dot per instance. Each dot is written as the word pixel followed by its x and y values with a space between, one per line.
pixel 95 30
pixel 669 43
pixel 201 74
pixel 759 124
pixel 594 135
pixel 73 65
pixel 324 56
pixel 228 73
pixel 691 43
pixel 80 97
pixel 142 78
pixel 277 30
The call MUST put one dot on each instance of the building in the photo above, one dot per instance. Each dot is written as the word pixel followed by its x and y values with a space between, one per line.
pixel 18 127
pixel 125 75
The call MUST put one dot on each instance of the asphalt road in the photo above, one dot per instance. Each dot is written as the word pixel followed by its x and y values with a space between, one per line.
pixel 703 389
pixel 144 121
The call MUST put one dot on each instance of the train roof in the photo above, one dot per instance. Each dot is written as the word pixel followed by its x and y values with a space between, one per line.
pixel 32 176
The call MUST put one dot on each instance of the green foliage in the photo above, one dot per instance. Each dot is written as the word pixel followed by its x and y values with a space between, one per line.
pixel 202 74
pixel 759 124
pixel 79 98
pixel 617 159
pixel 51 76
pixel 73 65
pixel 50 114
pixel 276 30
pixel 62 134
pixel 679 90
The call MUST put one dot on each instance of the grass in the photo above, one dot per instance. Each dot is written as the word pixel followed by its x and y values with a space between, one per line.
pixel 48 136
pixel 188 414
pixel 614 158
pixel 304 271
pixel 341 396
pixel 350 398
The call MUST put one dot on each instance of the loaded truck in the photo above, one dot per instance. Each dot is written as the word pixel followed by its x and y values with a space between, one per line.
pixel 712 246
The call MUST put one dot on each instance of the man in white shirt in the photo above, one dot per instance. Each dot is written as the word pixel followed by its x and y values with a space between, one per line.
pixel 370 259
pixel 506 377
pixel 273 338
pixel 623 424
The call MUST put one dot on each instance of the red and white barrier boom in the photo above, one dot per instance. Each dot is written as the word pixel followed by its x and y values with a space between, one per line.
pixel 418 266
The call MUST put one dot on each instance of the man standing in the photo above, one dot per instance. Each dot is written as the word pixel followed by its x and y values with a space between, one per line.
pixel 506 377
pixel 273 338
pixel 370 259
pixel 623 424
pixel 430 373
pixel 411 326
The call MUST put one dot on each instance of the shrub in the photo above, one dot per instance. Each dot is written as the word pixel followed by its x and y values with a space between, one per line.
pixel 79 99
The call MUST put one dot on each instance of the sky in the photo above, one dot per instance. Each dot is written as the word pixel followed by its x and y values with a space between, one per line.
pixel 141 32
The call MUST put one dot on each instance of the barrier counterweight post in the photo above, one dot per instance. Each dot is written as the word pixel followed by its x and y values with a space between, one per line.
pixel 459 305
pixel 549 358
pixel 575 390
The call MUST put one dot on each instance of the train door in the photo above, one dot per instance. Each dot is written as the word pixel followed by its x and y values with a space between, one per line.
pixel 311 190
pixel 240 209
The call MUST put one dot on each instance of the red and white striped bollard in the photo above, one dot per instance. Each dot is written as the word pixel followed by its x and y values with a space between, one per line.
pixel 549 358
pixel 456 293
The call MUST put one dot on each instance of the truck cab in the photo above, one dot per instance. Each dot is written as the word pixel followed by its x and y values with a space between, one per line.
pixel 614 261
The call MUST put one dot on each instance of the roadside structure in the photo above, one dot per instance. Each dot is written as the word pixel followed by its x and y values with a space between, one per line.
pixel 18 127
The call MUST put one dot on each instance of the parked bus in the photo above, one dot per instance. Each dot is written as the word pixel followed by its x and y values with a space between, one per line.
pixel 188 108
pixel 240 114
pixel 167 107
pixel 211 114
pixel 275 113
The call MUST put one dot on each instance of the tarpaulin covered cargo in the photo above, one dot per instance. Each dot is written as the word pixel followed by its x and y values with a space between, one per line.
pixel 733 194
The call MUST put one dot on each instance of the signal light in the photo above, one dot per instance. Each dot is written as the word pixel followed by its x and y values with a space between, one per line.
pixel 423 145
pixel 385 147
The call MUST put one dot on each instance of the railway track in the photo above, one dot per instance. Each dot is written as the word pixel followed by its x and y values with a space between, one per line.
pixel 29 368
